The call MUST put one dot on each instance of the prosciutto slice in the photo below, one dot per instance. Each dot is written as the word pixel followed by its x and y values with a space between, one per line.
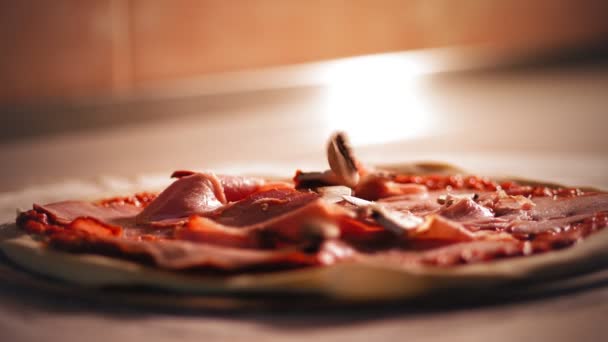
pixel 266 220
pixel 447 255
pixel 185 255
pixel 551 215
pixel 264 230
pixel 263 206
pixel 465 209
pixel 197 193
pixel 235 187
pixel 68 211
pixel 548 207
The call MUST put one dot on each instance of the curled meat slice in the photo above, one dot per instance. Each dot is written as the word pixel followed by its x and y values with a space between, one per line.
pixel 377 186
pixel 439 228
pixel 548 207
pixel 93 226
pixel 205 230
pixel 558 214
pixel 198 193
pixel 465 209
pixel 267 220
pixel 67 211
pixel 185 255
pixel 219 250
pixel 263 206
pixel 235 187
pixel 474 251
pixel 503 204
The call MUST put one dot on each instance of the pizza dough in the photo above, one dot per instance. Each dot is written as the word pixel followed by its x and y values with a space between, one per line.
pixel 351 281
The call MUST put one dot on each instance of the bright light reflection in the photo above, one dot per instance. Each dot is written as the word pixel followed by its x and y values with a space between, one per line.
pixel 378 99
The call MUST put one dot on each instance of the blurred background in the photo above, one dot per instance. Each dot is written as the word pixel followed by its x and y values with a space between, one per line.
pixel 131 87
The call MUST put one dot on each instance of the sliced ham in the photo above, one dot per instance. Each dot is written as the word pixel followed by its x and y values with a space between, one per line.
pixel 445 255
pixel 465 209
pixel 420 205
pixel 95 227
pixel 441 229
pixel 474 251
pixel 374 187
pixel 548 208
pixel 210 246
pixel 251 225
pixel 184 255
pixel 205 230
pixel 554 215
pixel 554 225
pixel 263 206
pixel 506 204
pixel 513 213
pixel 66 212
pixel 235 187
pixel 197 193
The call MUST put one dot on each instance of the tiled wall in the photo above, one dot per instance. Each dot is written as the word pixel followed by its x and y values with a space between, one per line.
pixel 71 48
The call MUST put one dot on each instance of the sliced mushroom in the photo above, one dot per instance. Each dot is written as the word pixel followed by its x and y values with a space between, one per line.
pixel 342 163
pixel 342 160
pixel 394 221
pixel 334 194
pixel 316 179
pixel 356 201
pixel 449 199
pixel 315 232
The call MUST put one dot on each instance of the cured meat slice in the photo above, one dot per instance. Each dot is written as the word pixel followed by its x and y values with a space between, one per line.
pixel 197 193
pixel 549 207
pixel 91 236
pixel 297 218
pixel 465 209
pixel 184 255
pixel 93 226
pixel 441 229
pixel 235 187
pixel 446 255
pixel 469 252
pixel 263 206
pixel 205 230
pixel 68 211
pixel 374 187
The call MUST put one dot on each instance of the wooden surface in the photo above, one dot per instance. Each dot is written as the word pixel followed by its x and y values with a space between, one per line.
pixel 541 123
pixel 73 49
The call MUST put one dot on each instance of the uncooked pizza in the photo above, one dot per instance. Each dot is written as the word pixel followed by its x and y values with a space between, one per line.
pixel 353 231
